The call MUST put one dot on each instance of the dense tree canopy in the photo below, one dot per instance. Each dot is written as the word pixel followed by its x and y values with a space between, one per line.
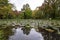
pixel 27 11
pixel 49 9
pixel 5 9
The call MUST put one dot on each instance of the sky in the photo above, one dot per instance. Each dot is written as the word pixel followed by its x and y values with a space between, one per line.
pixel 33 3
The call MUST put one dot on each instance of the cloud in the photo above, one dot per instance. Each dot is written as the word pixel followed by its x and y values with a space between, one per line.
pixel 33 3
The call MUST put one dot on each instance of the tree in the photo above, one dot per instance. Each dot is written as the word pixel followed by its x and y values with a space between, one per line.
pixel 5 9
pixel 38 14
pixel 51 8
pixel 27 11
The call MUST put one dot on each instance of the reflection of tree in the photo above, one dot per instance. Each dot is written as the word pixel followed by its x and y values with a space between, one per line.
pixel 6 32
pixel 26 30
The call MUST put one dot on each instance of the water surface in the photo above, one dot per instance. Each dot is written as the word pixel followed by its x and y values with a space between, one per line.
pixel 21 34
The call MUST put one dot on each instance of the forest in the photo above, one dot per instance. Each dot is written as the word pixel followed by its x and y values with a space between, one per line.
pixel 49 9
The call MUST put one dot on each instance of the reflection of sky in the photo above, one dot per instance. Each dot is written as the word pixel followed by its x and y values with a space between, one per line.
pixel 32 36
pixel 33 3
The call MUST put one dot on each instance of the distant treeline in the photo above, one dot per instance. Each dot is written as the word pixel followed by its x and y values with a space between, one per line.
pixel 49 9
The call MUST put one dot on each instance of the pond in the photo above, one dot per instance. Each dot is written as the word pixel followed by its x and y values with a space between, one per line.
pixel 20 33
pixel 38 30
pixel 25 34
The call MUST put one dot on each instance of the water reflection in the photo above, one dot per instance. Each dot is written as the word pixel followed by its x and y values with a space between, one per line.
pixel 26 34
pixel 26 30
pixel 49 34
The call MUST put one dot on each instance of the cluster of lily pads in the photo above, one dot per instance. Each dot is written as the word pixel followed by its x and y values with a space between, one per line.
pixel 46 24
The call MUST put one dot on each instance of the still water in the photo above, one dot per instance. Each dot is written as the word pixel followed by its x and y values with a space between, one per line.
pixel 25 34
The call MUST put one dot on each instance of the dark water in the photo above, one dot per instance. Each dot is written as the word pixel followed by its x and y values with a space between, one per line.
pixel 25 34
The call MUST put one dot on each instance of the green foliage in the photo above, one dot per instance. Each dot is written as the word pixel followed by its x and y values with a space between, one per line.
pixel 51 8
pixel 21 16
pixel 27 11
pixel 5 9
pixel 38 14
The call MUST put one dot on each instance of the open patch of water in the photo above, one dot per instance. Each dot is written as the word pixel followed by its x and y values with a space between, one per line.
pixel 25 34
